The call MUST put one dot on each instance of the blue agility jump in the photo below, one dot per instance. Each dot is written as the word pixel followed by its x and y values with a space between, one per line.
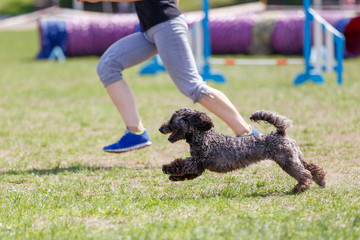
pixel 332 36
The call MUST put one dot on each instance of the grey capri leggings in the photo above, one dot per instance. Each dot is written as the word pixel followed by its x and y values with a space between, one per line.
pixel 169 40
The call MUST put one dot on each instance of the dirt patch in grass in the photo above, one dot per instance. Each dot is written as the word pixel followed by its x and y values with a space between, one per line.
pixel 98 222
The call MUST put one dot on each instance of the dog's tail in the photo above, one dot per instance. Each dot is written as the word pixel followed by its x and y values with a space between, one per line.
pixel 280 122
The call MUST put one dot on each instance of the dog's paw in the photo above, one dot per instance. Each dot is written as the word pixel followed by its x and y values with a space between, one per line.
pixel 172 169
pixel 191 176
pixel 300 187
pixel 166 169
pixel 322 183
pixel 177 178
pixel 183 177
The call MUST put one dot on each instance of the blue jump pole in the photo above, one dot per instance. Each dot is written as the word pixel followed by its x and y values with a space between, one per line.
pixel 207 73
pixel 340 45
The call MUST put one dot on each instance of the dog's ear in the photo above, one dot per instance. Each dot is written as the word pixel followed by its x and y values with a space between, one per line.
pixel 200 121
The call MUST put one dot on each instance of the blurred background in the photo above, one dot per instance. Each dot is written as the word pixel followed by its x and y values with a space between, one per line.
pixel 13 7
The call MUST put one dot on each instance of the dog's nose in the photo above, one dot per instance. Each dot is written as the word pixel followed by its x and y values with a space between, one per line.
pixel 161 129
pixel 164 129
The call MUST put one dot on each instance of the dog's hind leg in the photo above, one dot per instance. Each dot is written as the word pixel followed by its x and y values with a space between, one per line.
pixel 294 168
pixel 317 173
pixel 182 167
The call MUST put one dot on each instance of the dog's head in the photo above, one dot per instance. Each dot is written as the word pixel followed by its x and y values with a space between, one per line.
pixel 184 122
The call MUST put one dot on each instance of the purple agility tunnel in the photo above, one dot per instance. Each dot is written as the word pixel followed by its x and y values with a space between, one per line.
pixel 231 34
pixel 92 34
pixel 84 35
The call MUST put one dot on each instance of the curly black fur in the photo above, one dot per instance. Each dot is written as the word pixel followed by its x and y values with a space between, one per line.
pixel 222 153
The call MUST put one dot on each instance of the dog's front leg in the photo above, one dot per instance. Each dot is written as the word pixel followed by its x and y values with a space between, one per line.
pixel 187 168
pixel 183 177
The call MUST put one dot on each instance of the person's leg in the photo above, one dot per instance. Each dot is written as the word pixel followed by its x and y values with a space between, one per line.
pixel 175 52
pixel 125 53
pixel 221 106
pixel 124 100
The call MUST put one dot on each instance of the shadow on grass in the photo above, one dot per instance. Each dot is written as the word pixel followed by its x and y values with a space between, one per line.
pixel 59 170
pixel 222 193
pixel 256 194
pixel 270 194
pixel 238 196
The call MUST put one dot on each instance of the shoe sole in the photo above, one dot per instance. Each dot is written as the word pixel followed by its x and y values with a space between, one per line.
pixel 129 148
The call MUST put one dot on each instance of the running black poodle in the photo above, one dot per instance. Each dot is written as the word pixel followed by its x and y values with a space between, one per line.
pixel 221 153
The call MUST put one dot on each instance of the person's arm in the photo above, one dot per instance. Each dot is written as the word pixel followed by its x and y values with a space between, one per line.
pixel 177 2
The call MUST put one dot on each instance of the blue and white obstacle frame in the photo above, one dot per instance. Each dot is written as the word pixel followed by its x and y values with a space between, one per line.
pixel 319 58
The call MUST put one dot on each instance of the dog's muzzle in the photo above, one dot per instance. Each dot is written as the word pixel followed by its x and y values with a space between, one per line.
pixel 164 129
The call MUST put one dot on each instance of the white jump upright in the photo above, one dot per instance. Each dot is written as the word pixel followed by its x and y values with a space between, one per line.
pixel 196 41
pixel 329 60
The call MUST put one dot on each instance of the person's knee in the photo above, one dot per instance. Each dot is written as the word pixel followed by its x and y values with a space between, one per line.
pixel 195 93
pixel 108 71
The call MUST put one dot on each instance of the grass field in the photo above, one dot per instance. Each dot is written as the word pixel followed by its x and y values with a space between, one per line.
pixel 57 183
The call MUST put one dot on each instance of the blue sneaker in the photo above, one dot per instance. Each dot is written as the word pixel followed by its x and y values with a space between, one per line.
pixel 130 141
pixel 253 132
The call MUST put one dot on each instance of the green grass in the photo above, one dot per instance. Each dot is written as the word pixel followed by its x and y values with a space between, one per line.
pixel 56 183
pixel 16 6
